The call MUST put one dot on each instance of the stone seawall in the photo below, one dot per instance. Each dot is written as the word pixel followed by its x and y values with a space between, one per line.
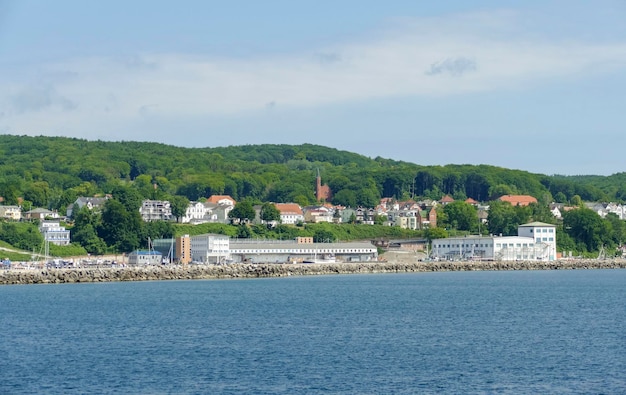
pixel 152 273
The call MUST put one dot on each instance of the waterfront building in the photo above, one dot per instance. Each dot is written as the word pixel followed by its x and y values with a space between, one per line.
pixel 534 241
pixel 208 248
pixel 145 257
pixel 298 251
pixel 213 248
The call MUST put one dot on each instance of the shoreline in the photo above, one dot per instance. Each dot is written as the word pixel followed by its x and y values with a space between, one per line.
pixel 205 272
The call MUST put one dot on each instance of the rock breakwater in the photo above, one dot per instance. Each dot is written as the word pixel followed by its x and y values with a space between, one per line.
pixel 153 273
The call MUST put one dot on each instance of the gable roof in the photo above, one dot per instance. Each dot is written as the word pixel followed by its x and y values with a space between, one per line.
pixel 217 198
pixel 447 199
pixel 289 208
pixel 518 200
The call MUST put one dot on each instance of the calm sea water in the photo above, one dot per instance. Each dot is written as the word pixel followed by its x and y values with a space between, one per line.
pixel 477 332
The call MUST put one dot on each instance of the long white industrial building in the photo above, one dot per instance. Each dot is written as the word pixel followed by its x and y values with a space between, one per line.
pixel 534 241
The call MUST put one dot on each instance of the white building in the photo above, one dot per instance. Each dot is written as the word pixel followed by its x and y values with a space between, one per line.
pixel 290 213
pixel 145 257
pixel 11 212
pixel 210 248
pixel 155 210
pixel 195 213
pixel 534 241
pixel 54 233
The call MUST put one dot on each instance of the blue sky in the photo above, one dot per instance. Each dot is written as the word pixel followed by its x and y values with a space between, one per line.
pixel 530 85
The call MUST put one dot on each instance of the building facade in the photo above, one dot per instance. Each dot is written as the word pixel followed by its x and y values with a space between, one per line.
pixel 535 241
pixel 54 233
pixel 209 248
pixel 155 210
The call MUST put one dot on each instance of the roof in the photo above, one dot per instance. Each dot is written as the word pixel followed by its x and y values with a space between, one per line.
pixel 518 200
pixel 289 208
pixel 447 199
pixel 146 252
pixel 39 210
pixel 217 198
pixel 536 223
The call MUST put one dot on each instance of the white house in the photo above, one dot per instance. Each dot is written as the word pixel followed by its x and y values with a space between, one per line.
pixel 11 212
pixel 290 213
pixel 195 213
pixel 155 210
pixel 54 233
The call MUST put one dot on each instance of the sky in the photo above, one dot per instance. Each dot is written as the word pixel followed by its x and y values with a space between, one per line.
pixel 531 85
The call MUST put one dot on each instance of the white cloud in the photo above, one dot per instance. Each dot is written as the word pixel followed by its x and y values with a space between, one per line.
pixel 427 57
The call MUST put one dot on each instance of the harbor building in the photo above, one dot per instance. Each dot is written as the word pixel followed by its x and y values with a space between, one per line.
pixel 534 241
pixel 218 249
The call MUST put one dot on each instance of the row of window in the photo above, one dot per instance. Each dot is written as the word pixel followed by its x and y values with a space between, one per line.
pixel 505 245
pixel 463 245
pixel 543 230
pixel 297 251
pixel 540 239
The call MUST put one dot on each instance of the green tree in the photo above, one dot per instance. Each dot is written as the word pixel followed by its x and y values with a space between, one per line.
pixel 461 216
pixel 179 206
pixel 243 231
pixel 560 197
pixel 243 211
pixel 120 228
pixel 502 218
pixel 435 233
pixel 587 227
pixel 130 198
pixel 269 213
pixel 324 236
pixel 87 237
pixel 345 197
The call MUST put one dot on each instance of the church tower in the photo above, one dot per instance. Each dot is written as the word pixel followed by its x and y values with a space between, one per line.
pixel 322 192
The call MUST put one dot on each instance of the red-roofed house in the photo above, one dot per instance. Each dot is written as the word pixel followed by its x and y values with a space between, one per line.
pixel 446 199
pixel 471 201
pixel 290 213
pixel 518 200
pixel 221 199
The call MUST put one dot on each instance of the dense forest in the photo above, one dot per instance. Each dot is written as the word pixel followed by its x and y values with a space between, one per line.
pixel 51 172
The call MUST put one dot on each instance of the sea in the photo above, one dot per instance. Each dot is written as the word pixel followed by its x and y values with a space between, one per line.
pixel 513 332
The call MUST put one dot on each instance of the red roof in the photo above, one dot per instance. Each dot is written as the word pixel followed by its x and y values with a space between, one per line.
pixel 217 198
pixel 289 208
pixel 447 199
pixel 518 200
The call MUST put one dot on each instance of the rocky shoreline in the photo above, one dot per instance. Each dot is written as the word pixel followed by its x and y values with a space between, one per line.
pixel 153 273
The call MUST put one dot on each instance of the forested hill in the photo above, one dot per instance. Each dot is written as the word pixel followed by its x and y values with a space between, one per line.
pixel 52 171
